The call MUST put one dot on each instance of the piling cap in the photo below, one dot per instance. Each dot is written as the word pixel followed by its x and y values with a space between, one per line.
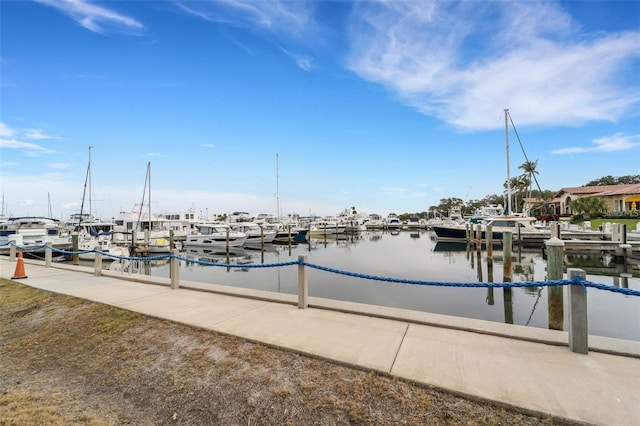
pixel 554 242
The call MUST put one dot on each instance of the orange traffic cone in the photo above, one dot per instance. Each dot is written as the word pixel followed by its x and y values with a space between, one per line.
pixel 19 273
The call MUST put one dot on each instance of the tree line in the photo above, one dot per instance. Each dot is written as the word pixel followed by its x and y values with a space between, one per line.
pixel 521 188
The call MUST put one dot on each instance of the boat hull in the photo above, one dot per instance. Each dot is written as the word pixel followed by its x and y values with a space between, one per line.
pixel 212 241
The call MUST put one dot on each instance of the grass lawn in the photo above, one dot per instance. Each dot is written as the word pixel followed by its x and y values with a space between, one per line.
pixel 631 223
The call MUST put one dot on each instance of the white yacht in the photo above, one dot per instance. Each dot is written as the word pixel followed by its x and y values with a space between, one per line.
pixel 374 221
pixel 215 234
pixel 256 235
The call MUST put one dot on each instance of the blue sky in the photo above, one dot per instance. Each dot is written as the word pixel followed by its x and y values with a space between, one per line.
pixel 385 106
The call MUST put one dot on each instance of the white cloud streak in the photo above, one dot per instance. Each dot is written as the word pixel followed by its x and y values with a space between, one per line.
pixel 11 138
pixel 617 142
pixel 292 18
pixel 37 134
pixel 286 20
pixel 438 58
pixel 95 18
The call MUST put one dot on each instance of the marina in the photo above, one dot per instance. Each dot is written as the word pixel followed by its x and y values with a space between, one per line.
pixel 417 255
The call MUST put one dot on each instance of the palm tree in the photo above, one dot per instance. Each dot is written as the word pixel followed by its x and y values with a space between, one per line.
pixel 587 205
pixel 518 185
pixel 529 168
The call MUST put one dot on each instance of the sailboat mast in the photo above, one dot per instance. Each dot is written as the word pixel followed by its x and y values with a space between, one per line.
pixel 84 193
pixel 277 189
pixel 149 177
pixel 506 131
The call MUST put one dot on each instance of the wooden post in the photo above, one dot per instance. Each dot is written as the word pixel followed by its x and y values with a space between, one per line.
pixel 555 271
pixel 615 233
pixel 488 230
pixel 507 295
pixel 478 237
pixel 261 244
pixel 303 284
pixel 507 276
pixel 98 264
pixel 578 325
pixel 555 229
pixel 12 253
pixel 507 270
pixel 74 245
pixel 171 241
pixel 174 270
pixel 48 255
pixel 555 258
pixel 468 232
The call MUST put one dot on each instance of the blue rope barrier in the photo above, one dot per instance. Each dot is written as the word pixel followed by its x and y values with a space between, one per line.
pixel 551 283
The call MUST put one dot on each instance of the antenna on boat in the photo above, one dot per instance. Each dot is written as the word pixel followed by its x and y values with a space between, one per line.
pixel 506 131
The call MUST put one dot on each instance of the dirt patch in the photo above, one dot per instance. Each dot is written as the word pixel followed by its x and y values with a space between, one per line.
pixel 69 361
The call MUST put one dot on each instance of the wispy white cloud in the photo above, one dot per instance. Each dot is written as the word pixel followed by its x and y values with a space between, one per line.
pixel 6 131
pixel 304 62
pixel 208 145
pixel 292 18
pixel 617 142
pixel 94 17
pixel 11 138
pixel 28 147
pixel 287 21
pixel 37 134
pixel 442 59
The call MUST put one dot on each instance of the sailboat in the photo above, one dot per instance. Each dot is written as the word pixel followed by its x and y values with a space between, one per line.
pixel 157 240
pixel 522 227
pixel 93 234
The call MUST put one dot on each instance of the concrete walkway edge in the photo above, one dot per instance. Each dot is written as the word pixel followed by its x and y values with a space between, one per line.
pixel 523 367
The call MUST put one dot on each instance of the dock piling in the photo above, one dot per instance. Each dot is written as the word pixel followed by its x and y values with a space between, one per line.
pixel 578 325
pixel 174 269
pixel 303 284
pixel 98 264
pixel 48 256
pixel 507 270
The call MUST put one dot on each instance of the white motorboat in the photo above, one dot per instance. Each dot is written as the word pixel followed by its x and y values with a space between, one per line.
pixel 34 231
pixel 256 235
pixel 374 221
pixel 393 222
pixel 215 234
pixel 521 227
pixel 326 227
pixel 105 246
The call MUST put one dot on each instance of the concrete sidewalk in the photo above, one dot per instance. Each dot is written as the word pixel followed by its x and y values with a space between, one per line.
pixel 529 368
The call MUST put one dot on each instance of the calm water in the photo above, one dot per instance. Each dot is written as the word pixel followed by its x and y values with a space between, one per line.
pixel 415 255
